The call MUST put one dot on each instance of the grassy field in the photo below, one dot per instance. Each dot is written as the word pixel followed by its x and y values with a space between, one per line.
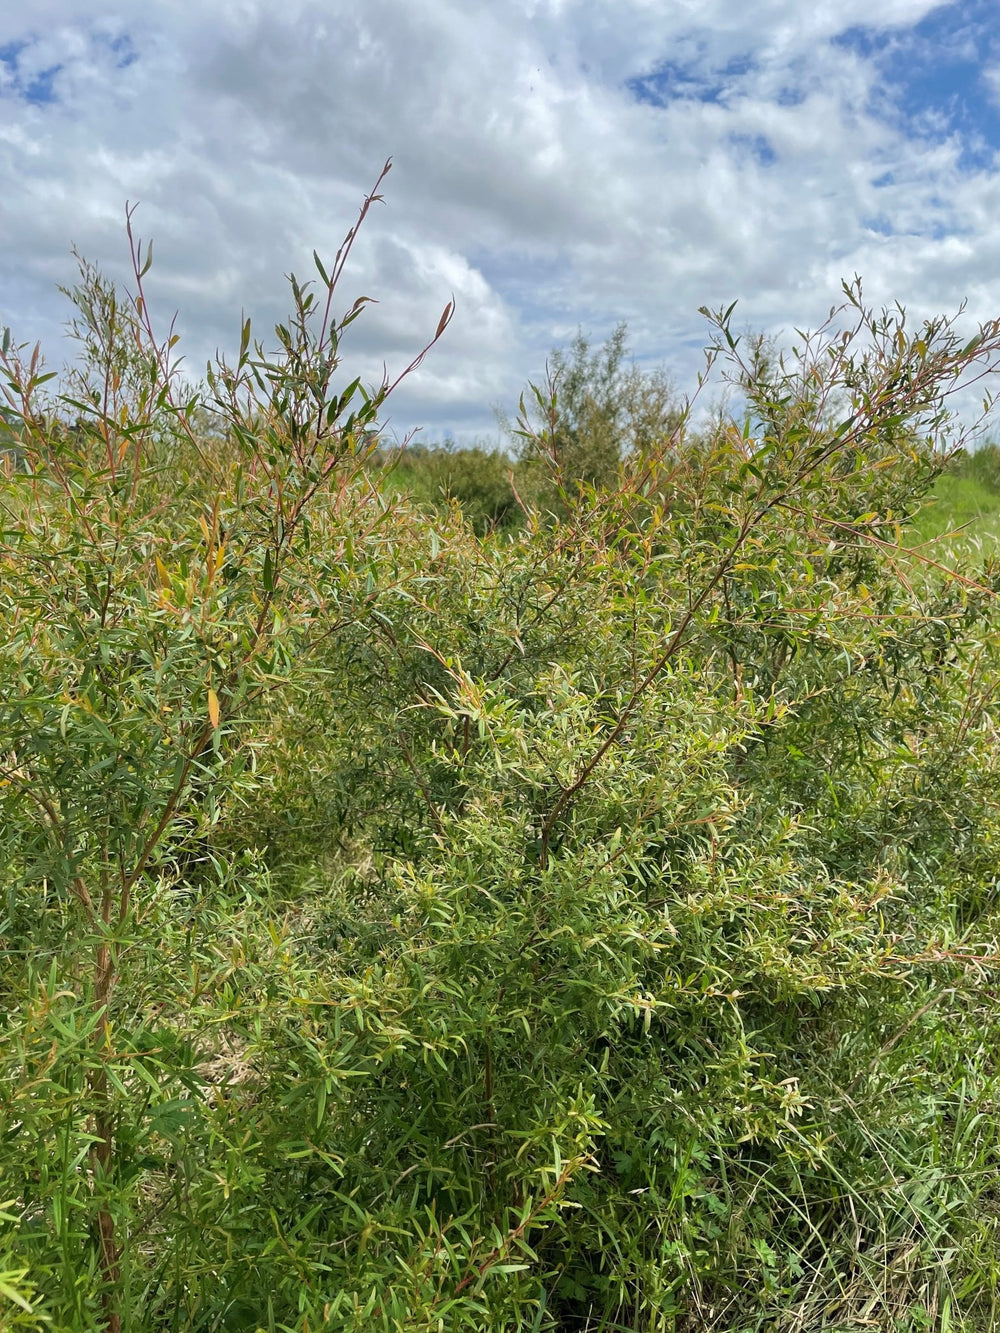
pixel 960 523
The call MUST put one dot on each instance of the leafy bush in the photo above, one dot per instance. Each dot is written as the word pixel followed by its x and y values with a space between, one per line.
pixel 412 926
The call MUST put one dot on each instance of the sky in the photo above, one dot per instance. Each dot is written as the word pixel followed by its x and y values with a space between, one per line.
pixel 557 165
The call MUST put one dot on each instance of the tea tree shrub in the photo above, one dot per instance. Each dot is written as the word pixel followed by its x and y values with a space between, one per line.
pixel 666 871
pixel 161 581
pixel 410 925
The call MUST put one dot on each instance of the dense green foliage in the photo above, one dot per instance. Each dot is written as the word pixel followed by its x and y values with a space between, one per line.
pixel 414 924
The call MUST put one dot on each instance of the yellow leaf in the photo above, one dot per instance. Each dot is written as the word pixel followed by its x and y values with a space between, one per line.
pixel 161 569
pixel 213 708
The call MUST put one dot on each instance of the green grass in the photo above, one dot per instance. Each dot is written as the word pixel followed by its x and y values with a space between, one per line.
pixel 960 523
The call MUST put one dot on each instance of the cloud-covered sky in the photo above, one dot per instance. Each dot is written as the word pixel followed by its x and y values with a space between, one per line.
pixel 557 164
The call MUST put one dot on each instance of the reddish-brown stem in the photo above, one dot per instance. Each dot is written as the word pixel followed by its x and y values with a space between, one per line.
pixel 570 793
pixel 515 1235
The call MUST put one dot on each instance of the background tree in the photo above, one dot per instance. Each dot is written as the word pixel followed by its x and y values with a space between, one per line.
pixel 607 411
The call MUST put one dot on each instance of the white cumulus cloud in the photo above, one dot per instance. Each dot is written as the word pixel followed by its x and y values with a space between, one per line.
pixel 557 163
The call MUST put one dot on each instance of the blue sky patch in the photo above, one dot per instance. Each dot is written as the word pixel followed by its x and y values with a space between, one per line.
pixel 123 50
pixel 673 81
pixel 791 96
pixel 934 81
pixel 26 82
pixel 37 88
pixel 755 146
pixel 880 225
pixel 10 54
